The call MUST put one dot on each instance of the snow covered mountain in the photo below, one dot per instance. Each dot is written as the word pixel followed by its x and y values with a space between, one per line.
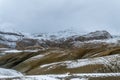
pixel 65 53
pixel 64 39
pixel 61 39
pixel 8 39
pixel 10 36
pixel 56 35
pixel 12 39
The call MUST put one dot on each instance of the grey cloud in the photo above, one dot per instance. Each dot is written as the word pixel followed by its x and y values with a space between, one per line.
pixel 54 15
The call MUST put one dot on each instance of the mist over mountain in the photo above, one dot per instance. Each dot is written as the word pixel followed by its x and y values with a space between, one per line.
pixel 33 16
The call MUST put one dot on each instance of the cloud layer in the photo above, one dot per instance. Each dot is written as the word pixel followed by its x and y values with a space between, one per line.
pixel 54 15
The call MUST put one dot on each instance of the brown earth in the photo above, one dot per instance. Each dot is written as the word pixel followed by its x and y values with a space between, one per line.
pixel 30 62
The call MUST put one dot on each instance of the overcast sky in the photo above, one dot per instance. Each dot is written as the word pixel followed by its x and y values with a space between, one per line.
pixel 53 15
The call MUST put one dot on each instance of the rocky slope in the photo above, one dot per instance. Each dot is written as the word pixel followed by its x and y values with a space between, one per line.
pixel 57 60
pixel 96 52
pixel 62 42
pixel 23 41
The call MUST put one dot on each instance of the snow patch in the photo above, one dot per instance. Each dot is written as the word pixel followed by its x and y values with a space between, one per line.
pixel 79 79
pixel 9 72
pixel 19 51
pixel 12 51
pixel 84 62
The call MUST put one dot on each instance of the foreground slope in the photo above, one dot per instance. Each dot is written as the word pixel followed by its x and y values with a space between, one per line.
pixel 61 61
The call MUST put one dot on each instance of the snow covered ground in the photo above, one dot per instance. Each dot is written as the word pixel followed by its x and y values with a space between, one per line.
pixel 15 75
pixel 115 40
pixel 18 51
pixel 81 76
pixel 84 62
pixel 9 72
pixel 4 51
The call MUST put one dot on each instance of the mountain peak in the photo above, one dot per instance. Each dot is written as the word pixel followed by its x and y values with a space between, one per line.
pixel 102 33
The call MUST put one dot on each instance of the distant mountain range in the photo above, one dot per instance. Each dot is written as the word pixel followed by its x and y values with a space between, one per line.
pixel 12 39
